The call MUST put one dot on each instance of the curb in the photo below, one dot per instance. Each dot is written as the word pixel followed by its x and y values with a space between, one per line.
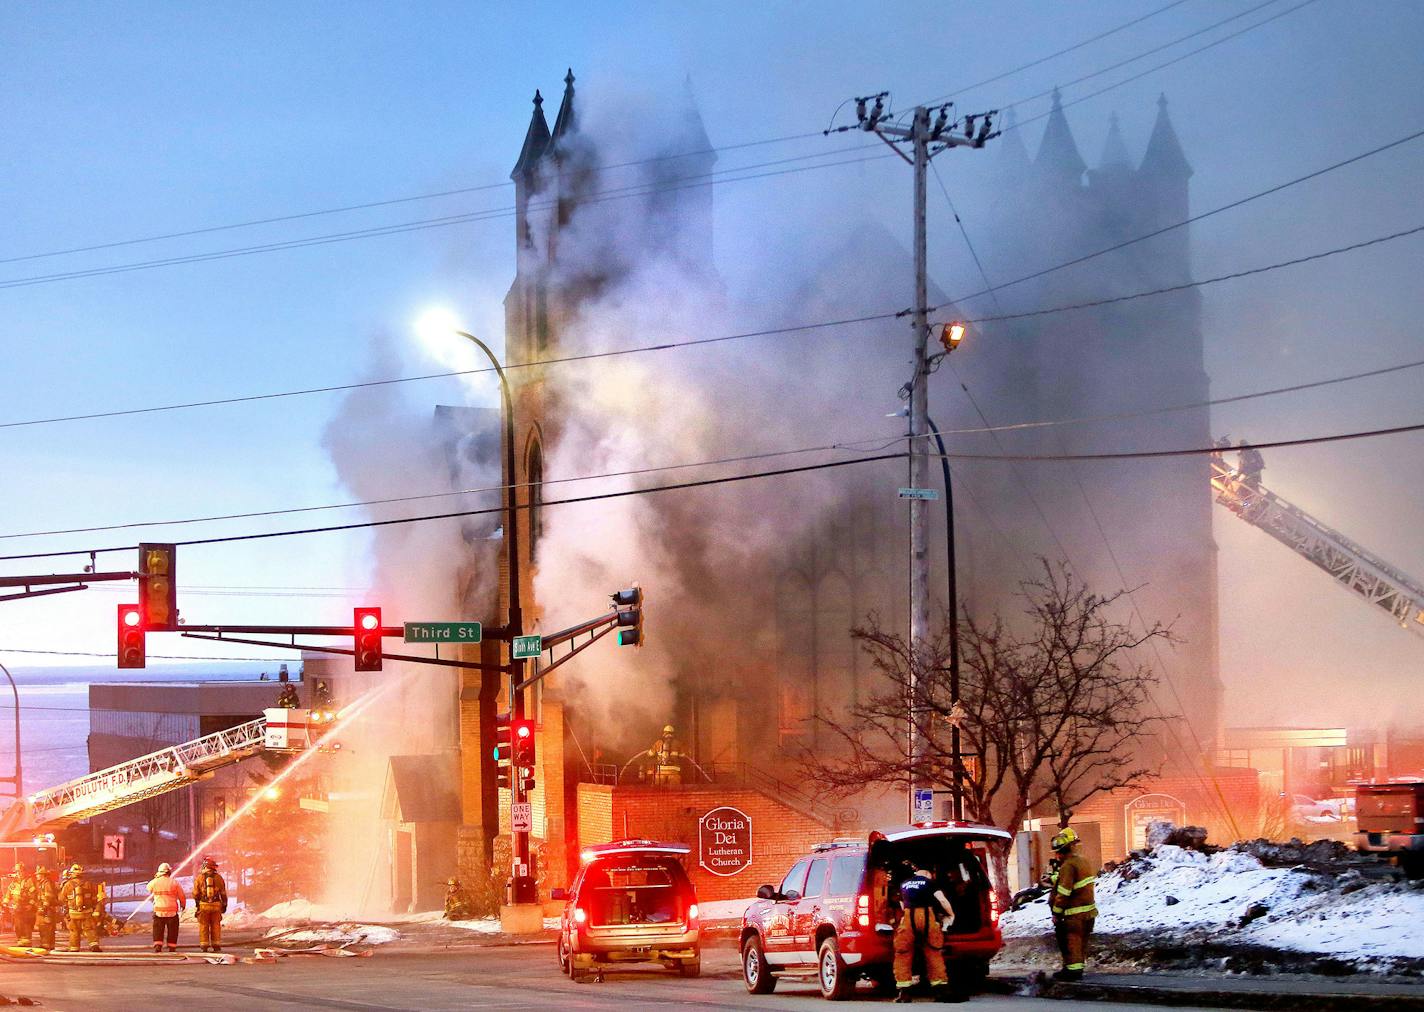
pixel 1149 994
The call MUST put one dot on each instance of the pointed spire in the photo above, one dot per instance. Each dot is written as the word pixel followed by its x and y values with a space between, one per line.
pixel 1164 157
pixel 536 140
pixel 1058 153
pixel 691 135
pixel 1114 150
pixel 1013 156
pixel 564 122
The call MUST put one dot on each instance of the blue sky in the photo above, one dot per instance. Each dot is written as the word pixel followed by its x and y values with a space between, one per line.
pixel 128 120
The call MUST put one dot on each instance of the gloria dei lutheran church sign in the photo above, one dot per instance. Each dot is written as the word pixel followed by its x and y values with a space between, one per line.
pixel 724 841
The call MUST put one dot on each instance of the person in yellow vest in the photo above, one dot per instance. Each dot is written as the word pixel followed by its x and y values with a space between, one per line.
pixel 83 900
pixel 210 897
pixel 47 907
pixel 20 902
pixel 1073 904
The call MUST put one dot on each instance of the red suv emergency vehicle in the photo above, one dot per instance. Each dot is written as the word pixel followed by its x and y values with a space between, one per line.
pixel 831 917
pixel 631 902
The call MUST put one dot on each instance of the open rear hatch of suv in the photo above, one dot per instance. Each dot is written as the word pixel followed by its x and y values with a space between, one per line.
pixel 957 856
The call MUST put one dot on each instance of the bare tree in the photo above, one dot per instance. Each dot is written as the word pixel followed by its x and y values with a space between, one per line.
pixel 1051 707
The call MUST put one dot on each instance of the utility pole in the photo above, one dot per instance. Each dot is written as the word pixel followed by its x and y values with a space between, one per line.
pixel 926 139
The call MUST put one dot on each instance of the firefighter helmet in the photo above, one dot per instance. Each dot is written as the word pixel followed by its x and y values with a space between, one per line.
pixel 209 862
pixel 19 868
pixel 1065 839
pixel 76 869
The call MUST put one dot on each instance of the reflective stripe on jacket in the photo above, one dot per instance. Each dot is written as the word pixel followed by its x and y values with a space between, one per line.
pixel 1073 891
pixel 168 896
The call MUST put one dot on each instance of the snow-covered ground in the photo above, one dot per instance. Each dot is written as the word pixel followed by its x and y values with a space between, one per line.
pixel 1231 897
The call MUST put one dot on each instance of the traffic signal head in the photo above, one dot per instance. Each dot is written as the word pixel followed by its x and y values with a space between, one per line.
pixel 630 616
pixel 503 750
pixel 522 735
pixel 367 630
pixel 132 651
pixel 158 586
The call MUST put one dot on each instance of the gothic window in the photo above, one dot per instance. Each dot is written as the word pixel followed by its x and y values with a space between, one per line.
pixel 534 474
pixel 795 648
pixel 541 316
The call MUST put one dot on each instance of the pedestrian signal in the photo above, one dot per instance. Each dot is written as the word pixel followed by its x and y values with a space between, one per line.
pixel 158 586
pixel 367 631
pixel 132 649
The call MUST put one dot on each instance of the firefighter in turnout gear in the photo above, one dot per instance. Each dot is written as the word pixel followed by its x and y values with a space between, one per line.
pixel 457 902
pixel 83 900
pixel 210 897
pixel 288 698
pixel 1074 908
pixel 925 916
pixel 20 904
pixel 47 907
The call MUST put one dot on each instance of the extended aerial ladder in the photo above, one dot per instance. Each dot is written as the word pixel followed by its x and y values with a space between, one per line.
pixel 279 730
pixel 1346 562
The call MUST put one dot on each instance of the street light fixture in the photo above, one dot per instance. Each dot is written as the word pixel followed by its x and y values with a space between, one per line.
pixel 522 886
pixel 19 791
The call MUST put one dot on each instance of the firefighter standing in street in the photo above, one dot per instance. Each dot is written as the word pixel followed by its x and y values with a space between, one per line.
pixel 921 926
pixel 1073 905
pixel 168 902
pixel 20 902
pixel 210 897
pixel 83 900
pixel 47 908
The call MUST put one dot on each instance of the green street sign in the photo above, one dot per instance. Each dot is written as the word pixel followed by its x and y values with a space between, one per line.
pixel 442 632
pixel 526 647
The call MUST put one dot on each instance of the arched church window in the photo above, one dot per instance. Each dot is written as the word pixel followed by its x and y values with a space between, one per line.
pixel 534 474
pixel 795 650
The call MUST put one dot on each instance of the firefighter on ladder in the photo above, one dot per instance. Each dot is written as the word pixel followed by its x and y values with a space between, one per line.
pixel 921 927
pixel 83 901
pixel 210 897
pixel 1073 905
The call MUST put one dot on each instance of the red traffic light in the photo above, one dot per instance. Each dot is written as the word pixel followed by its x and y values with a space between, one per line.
pixel 367 632
pixel 523 746
pixel 132 646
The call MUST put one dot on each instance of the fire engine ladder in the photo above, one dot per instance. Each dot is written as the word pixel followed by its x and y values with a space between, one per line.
pixel 1347 563
pixel 131 781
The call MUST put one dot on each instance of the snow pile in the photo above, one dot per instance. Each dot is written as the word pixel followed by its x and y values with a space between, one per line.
pixel 1231 898
pixel 725 910
pixel 341 934
pixel 490 925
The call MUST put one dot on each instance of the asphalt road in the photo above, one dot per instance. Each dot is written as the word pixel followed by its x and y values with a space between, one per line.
pixel 396 977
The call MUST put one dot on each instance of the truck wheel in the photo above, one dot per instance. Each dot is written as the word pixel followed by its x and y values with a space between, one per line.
pixel 836 980
pixel 967 976
pixel 690 967
pixel 566 959
pixel 755 974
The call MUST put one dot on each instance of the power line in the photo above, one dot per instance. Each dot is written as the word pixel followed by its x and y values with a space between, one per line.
pixel 728 479
pixel 1161 66
pixel 717 177
pixel 340 387
pixel 459 191
pixel 1232 205
pixel 1266 268
pixel 337 388
pixel 1053 56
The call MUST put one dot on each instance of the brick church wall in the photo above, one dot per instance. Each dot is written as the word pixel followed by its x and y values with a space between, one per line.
pixel 779 834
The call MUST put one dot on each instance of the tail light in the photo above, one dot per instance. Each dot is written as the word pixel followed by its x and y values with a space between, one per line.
pixel 692 913
pixel 993 908
pixel 580 915
pixel 862 910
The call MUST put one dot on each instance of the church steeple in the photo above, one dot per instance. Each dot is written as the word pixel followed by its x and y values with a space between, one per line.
pixel 1013 156
pixel 1058 153
pixel 691 133
pixel 564 122
pixel 1164 158
pixel 536 140
pixel 1114 150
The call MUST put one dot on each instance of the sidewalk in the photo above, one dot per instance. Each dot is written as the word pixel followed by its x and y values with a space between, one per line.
pixel 1266 992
